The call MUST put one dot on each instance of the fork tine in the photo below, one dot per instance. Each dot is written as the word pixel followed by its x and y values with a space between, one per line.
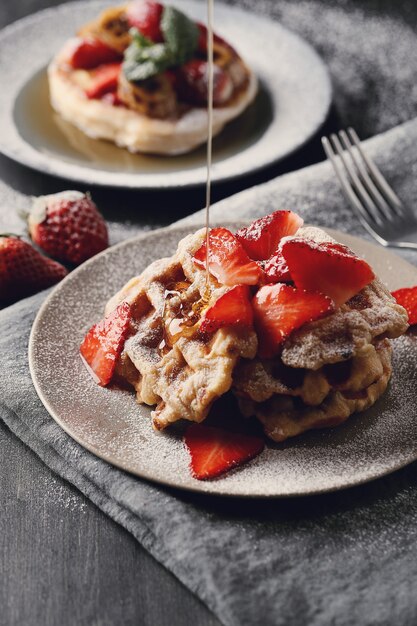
pixel 390 193
pixel 359 189
pixel 346 186
pixel 385 208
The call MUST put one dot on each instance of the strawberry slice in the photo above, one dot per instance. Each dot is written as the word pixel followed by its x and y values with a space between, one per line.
pixel 104 342
pixel 145 15
pixel 228 261
pixel 104 80
pixel 281 309
pixel 329 268
pixel 90 53
pixel 113 99
pixel 276 269
pixel 261 238
pixel 232 309
pixel 215 451
pixel 192 83
pixel 407 297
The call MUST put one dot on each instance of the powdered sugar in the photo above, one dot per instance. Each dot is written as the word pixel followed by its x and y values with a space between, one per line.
pixel 111 424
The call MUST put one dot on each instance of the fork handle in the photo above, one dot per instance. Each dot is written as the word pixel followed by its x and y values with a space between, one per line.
pixel 410 245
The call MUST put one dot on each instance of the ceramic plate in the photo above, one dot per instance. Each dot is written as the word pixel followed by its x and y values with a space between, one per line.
pixel 292 103
pixel 113 426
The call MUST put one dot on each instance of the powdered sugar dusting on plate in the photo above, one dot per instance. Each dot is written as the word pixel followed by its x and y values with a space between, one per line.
pixel 111 424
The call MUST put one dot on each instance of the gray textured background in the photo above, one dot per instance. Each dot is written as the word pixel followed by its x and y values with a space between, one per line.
pixel 63 561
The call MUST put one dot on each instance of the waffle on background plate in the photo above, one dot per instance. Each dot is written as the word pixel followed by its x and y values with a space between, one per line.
pixel 325 371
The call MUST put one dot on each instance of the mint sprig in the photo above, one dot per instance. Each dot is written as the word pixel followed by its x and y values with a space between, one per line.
pixel 180 34
pixel 144 58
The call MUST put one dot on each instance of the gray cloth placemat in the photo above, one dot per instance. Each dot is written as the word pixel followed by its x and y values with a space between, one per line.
pixel 346 558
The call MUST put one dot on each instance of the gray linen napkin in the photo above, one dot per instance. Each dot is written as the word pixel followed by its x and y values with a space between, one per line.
pixel 345 558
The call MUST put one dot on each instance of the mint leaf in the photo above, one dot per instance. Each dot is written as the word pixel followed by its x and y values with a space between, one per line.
pixel 180 34
pixel 144 59
pixel 140 40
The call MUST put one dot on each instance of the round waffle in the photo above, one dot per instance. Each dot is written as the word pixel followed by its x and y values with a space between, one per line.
pixel 154 119
pixel 130 129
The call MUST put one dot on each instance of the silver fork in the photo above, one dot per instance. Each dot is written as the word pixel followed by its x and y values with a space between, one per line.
pixel 376 204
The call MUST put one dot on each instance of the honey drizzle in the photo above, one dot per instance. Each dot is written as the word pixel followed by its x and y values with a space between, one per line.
pixel 186 325
pixel 210 58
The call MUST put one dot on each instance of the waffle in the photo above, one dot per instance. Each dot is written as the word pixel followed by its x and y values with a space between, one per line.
pixel 261 380
pixel 372 313
pixel 181 375
pixel 325 398
pixel 151 116
pixel 326 370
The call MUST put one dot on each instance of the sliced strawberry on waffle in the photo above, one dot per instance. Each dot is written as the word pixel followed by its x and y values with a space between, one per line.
pixel 104 80
pixel 276 269
pixel 192 83
pixel 113 99
pixel 281 309
pixel 261 238
pixel 214 451
pixel 89 53
pixel 146 15
pixel 231 309
pixel 228 261
pixel 407 297
pixel 330 268
pixel 104 343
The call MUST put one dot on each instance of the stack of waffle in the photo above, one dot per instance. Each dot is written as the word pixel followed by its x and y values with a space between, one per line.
pixel 326 370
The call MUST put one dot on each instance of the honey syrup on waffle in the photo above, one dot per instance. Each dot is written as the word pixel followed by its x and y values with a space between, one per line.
pixel 210 80
pixel 183 324
pixel 180 320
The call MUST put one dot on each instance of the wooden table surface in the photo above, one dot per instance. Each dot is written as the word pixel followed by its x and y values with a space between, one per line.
pixel 62 561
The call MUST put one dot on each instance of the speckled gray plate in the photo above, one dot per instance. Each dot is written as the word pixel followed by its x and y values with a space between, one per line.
pixel 292 103
pixel 110 424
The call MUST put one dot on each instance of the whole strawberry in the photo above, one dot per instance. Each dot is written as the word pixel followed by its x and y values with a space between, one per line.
pixel 68 226
pixel 23 270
